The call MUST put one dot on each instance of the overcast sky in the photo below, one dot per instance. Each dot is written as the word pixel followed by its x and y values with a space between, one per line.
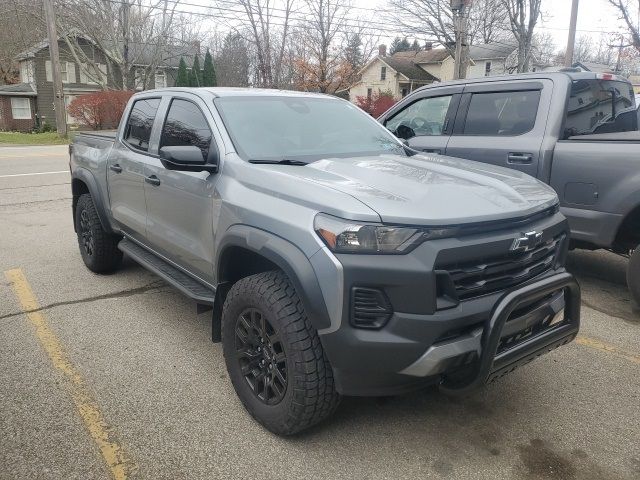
pixel 594 17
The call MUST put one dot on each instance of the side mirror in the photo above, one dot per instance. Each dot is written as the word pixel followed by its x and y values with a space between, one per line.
pixel 188 158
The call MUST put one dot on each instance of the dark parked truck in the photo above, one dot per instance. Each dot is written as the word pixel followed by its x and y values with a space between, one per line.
pixel 575 131
pixel 334 260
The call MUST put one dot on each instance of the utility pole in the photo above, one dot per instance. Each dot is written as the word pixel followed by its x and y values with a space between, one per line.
pixel 460 25
pixel 571 40
pixel 126 7
pixel 58 92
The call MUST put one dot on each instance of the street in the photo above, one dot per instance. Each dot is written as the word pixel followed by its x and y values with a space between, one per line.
pixel 116 377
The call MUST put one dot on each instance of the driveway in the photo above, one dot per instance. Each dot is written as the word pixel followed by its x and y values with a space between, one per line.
pixel 116 377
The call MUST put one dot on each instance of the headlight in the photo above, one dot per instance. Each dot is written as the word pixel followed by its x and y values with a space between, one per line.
pixel 346 236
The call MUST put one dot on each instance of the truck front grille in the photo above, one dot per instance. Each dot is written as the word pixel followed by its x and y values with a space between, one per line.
pixel 492 274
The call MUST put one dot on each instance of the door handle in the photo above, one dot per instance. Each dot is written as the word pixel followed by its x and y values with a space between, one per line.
pixel 520 158
pixel 152 180
pixel 432 150
pixel 115 168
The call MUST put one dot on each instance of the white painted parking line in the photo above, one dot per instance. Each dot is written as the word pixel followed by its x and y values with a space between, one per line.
pixel 36 173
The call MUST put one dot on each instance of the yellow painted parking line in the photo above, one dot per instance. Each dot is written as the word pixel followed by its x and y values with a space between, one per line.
pixel 608 348
pixel 119 463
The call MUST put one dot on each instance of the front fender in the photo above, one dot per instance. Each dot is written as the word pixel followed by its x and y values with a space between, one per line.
pixel 85 176
pixel 289 258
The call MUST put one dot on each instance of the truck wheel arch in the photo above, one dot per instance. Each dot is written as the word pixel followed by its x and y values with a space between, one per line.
pixel 247 250
pixel 628 234
pixel 83 181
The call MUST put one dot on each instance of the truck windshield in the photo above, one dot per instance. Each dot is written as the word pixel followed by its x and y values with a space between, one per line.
pixel 302 128
pixel 600 106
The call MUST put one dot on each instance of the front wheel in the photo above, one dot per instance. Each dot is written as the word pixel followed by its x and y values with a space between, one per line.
pixel 99 248
pixel 274 357
pixel 633 277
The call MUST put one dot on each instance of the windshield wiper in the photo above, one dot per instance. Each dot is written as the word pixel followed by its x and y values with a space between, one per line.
pixel 284 161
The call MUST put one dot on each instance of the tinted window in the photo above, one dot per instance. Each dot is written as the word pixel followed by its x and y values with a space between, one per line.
pixel 186 125
pixel 138 130
pixel 502 113
pixel 591 108
pixel 424 117
pixel 302 128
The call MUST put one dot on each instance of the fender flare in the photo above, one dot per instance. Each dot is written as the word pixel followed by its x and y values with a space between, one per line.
pixel 289 258
pixel 96 195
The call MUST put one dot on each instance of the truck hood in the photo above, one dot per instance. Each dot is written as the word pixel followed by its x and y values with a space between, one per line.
pixel 431 190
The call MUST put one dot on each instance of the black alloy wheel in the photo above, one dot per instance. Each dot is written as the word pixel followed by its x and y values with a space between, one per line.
pixel 261 355
pixel 86 233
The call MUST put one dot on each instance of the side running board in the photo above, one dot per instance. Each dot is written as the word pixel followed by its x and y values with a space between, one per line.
pixel 183 282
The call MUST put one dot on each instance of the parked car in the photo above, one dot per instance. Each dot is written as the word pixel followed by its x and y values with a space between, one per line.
pixel 576 131
pixel 334 259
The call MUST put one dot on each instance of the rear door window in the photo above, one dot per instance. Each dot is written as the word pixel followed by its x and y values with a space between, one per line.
pixel 186 125
pixel 425 117
pixel 502 113
pixel 138 129
pixel 600 106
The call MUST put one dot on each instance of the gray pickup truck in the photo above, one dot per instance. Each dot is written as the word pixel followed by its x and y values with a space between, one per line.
pixel 575 131
pixel 334 260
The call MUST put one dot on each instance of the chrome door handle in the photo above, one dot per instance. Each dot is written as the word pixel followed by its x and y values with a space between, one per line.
pixel 115 168
pixel 520 158
pixel 152 180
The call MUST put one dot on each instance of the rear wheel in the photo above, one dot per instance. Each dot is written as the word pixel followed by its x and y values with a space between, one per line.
pixel 633 277
pixel 274 357
pixel 99 248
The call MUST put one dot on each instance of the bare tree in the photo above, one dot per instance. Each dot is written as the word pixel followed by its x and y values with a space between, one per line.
pixel 588 49
pixel 523 16
pixel 266 27
pixel 128 32
pixel 545 46
pixel 21 27
pixel 488 22
pixel 433 19
pixel 320 68
pixel 628 11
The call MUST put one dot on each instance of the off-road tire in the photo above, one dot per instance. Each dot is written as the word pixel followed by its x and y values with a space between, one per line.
pixel 310 394
pixel 99 249
pixel 633 277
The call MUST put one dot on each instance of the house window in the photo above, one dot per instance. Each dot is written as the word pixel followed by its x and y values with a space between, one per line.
pixel 369 93
pixel 64 72
pixel 67 101
pixel 404 92
pixel 383 73
pixel 487 69
pixel 161 79
pixel 20 108
pixel 67 71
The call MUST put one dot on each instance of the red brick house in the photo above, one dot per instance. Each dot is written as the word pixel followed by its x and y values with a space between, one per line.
pixel 17 107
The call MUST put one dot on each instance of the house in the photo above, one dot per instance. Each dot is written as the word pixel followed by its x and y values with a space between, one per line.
pixel 484 60
pixel 593 67
pixel 36 82
pixel 398 74
pixel 403 72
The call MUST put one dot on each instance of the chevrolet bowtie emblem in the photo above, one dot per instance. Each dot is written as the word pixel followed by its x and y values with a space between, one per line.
pixel 528 241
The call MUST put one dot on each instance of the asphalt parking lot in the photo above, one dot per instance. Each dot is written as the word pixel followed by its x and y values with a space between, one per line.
pixel 116 377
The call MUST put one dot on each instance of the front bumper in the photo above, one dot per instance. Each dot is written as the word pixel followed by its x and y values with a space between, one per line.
pixel 428 341
pixel 545 314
